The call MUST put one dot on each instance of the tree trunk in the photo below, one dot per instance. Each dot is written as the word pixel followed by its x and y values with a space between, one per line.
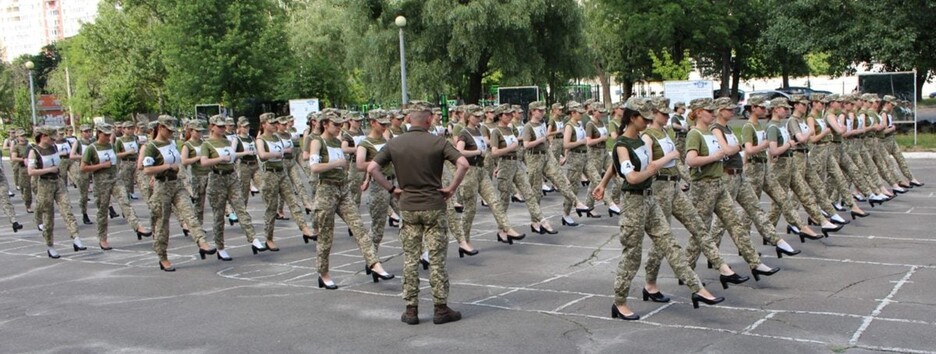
pixel 922 75
pixel 735 79
pixel 605 89
pixel 725 72
pixel 474 88
pixel 627 86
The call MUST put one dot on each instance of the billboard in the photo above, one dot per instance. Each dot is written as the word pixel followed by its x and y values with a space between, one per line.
pixel 300 108
pixel 685 91
pixel 898 84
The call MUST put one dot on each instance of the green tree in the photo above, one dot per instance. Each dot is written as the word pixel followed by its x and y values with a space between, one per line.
pixel 668 69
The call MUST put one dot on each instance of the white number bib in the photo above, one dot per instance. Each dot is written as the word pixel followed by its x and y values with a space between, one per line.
pixel 579 133
pixel 861 121
pixel 63 148
pixel 761 136
pixel 107 155
pixel 667 146
pixel 510 139
pixel 712 143
pixel 227 153
pixel 644 156
pixel 602 131
pixel 50 160
pixel 335 154
pixel 358 139
pixel 539 131
pixel 560 126
pixel 130 146
pixel 276 148
pixel 479 142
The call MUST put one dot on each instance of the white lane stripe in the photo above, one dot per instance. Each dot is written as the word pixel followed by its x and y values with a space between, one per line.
pixel 877 311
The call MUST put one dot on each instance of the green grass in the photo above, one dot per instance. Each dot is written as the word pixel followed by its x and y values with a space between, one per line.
pixel 927 102
pixel 925 142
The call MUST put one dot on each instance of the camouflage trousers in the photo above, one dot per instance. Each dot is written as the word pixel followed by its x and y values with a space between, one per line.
pixel 681 163
pixel 475 183
pixel 508 175
pixel 83 181
pixel 334 200
pixel 817 172
pixel 246 173
pixel 378 206
pixel 223 190
pixel 741 191
pixel 74 171
pixel 540 166
pixel 275 188
pixel 107 188
pixel 52 191
pixel 576 162
pixel 856 169
pixel 200 192
pixel 185 176
pixel 890 145
pixel 789 178
pixel 15 170
pixel 594 169
pixel 169 197
pixel 802 163
pixel 674 202
pixel 761 180
pixel 296 186
pixel 5 198
pixel 639 215
pixel 711 198
pixel 871 169
pixel 65 171
pixel 126 174
pixel 556 149
pixel 453 220
pixel 880 158
pixel 355 178
pixel 26 187
pixel 424 229
pixel 837 183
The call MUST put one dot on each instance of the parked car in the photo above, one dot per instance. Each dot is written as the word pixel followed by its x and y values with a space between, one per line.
pixel 768 94
pixel 796 90
pixel 932 95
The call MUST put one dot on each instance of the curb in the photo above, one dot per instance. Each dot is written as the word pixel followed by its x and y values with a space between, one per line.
pixel 920 155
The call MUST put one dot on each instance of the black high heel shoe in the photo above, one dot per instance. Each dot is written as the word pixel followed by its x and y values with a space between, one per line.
pixel 253 193
pixel 569 223
pixel 256 250
pixel 393 222
pixel 203 252
pixel 734 279
pixel 508 241
pixel 803 236
pixel 543 230
pixel 425 263
pixel 791 230
pixel 860 215
pixel 516 200
pixel 53 256
pixel 535 231
pixel 655 297
pixel 592 215
pixel 271 249
pixel 585 183
pixel 581 211
pixel 460 209
pixel 166 269
pixel 917 184
pixel 872 201
pixel 612 213
pixel 322 284
pixel 615 313
pixel 82 248
pixel 280 217
pixel 826 231
pixel 185 232
pixel 307 238
pixel 377 276
pixel 757 272
pixel 17 226
pixel 232 221
pixel 141 235
pixel 224 259
pixel 511 238
pixel 781 252
pixel 308 211
pixel 462 252
pixel 113 213
pixel 108 248
pixel 696 298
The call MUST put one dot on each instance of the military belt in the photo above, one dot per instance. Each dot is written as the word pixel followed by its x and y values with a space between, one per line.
pixel 274 169
pixel 733 171
pixel 222 172
pixel 167 178
pixel 49 176
pixel 758 159
pixel 643 192
pixel 509 157
pixel 534 152
pixel 667 178
pixel 332 183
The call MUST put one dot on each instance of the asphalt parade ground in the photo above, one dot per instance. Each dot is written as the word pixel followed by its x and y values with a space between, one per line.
pixel 866 289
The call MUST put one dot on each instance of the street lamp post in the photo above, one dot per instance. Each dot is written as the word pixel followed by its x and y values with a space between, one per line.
pixel 32 93
pixel 400 21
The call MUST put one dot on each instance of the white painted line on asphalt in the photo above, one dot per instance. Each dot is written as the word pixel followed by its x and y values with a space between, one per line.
pixel 893 349
pixel 573 302
pixel 877 311
pixel 757 323
pixel 658 310
pixel 911 209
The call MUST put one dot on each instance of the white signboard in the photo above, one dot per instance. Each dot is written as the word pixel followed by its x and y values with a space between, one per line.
pixel 685 91
pixel 300 108
pixel 56 121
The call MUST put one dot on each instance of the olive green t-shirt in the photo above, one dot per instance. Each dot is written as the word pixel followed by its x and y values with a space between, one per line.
pixel 287 140
pixel 662 144
pixel 247 143
pixel 503 137
pixel 272 144
pixel 157 153
pixel 22 151
pixel 595 129
pixel 702 143
pixel 733 161
pixel 473 141
pixel 371 147
pixel 797 125
pixel 127 143
pixel 97 153
pixel 533 131
pixel 836 137
pixel 754 134
pixel 195 149
pixel 819 118
pixel 637 156
pixel 578 133
pixel 214 148
pixel 558 125
pixel 329 150
pixel 777 132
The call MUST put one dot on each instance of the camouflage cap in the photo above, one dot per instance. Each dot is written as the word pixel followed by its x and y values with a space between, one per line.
pixel 573 106
pixel 458 108
pixel 216 119
pixel 281 119
pixel 488 109
pixel 540 105
pixel 641 105
pixel 104 128
pixel 847 98
pixel 779 102
pixel 44 130
pixel 418 106
pixel 834 98
pixel 516 108
pixel 598 107
pixel 69 128
pixel 817 97
pixel 152 125
pixel 870 97
pixel 799 99
pixel 168 121
pixel 617 105
pixel 588 102
pixel 890 98
pixel 199 125
pixel 724 103
pixel 60 129
pixel 706 103
pixel 376 113
pixel 141 125
pixel 436 110
pixel 355 116
pixel 269 118
pixel 474 110
pixel 757 101
pixel 503 109
pixel 20 132
pixel 85 127
pixel 661 104
pixel 679 104
pixel 229 121
pixel 558 106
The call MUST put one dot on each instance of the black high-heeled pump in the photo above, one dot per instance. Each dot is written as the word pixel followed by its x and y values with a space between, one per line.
pixel 141 235
pixel 516 200
pixel 544 230
pixel 113 213
pixel 860 215
pixel 734 279
pixel 185 232
pixel 166 269
pixel 424 262
pixel 592 215
pixel 308 211
pixel 17 226
pixel 82 248
pixel 586 183
pixel 655 297
pixel 280 217
pixel 757 272
pixel 837 207
pixel 393 222
pixel 872 201
pixel 508 241
pixel 826 231
pixel 484 204
pixel 708 264
pixel 569 223
pixel 792 230
pixel 203 252
pixel 462 252
pixel 377 276
pixel 256 250
pixel 612 213
pixel 253 193
pixel 535 231
pixel 615 313
pixel 696 298
pixel 224 259
pixel 307 238
pixel 803 236
pixel 581 211
pixel 232 221
pixel 917 184
pixel 322 284
pixel 781 252
pixel 271 249
pixel 517 237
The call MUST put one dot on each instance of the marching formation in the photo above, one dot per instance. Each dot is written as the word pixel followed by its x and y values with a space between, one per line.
pixel 645 160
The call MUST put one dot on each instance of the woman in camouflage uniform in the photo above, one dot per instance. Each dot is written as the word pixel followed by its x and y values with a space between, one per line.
pixel 576 156
pixel 43 162
pixel 642 215
pixel 191 157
